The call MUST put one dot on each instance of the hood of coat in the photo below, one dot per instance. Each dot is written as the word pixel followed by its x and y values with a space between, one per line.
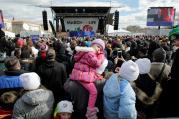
pixel 50 64
pixel 112 87
pixel 84 49
pixel 36 97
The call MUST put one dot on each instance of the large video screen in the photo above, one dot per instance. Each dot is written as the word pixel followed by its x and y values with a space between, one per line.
pixel 160 16
pixel 1 20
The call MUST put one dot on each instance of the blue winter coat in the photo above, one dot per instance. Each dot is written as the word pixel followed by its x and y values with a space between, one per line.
pixel 10 82
pixel 119 99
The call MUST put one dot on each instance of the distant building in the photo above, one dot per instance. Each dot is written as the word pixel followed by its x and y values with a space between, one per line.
pixel 7 25
pixel 19 26
pixel 24 28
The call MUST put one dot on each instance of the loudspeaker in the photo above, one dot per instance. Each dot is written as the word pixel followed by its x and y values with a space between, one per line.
pixel 116 20
pixel 53 29
pixel 45 20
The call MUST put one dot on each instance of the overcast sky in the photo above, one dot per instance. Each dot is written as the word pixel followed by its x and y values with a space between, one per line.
pixel 133 12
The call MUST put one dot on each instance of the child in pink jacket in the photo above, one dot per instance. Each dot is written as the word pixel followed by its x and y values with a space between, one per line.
pixel 87 61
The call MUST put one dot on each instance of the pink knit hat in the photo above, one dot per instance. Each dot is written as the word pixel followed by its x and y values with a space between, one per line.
pixel 99 42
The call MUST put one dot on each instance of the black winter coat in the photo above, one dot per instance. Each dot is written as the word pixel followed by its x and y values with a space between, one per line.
pixel 53 75
pixel 169 101
pixel 79 97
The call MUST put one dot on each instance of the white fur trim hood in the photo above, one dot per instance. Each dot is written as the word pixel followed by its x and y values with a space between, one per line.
pixel 103 66
pixel 84 49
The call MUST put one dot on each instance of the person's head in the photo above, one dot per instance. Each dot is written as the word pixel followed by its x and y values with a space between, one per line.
pixel 9 97
pixel 73 44
pixel 20 43
pixel 129 70
pixel 119 40
pixel 174 35
pixel 163 41
pixel 43 50
pixel 43 47
pixel 50 55
pixel 12 63
pixel 17 53
pixel 30 42
pixel 159 55
pixel 64 110
pixel 128 44
pixel 30 81
pixel 144 65
pixel 98 44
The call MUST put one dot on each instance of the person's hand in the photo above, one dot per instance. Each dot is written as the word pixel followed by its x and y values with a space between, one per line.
pixel 116 60
pixel 100 77
pixel 117 69
pixel 121 58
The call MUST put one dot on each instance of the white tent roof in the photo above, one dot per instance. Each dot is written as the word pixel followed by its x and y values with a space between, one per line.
pixel 112 32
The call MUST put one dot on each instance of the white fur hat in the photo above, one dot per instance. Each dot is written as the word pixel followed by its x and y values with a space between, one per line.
pixel 103 66
pixel 129 70
pixel 30 81
pixel 144 65
pixel 64 106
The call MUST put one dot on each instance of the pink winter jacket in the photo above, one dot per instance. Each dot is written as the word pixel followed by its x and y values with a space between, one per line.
pixel 86 65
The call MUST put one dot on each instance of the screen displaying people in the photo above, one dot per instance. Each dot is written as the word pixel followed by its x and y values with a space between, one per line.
pixel 160 16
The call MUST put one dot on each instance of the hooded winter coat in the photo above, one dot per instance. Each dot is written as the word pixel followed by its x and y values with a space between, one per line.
pixel 87 61
pixel 36 104
pixel 119 99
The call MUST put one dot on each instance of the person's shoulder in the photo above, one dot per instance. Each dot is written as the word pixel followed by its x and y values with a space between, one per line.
pixel 23 71
pixel 59 65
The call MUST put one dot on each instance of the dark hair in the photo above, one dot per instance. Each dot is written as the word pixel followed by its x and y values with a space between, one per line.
pixel 50 55
pixel 159 55
pixel 11 63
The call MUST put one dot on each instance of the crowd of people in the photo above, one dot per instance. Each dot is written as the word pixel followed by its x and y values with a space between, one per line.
pixel 122 77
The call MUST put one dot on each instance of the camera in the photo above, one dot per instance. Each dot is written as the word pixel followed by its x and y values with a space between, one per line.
pixel 119 54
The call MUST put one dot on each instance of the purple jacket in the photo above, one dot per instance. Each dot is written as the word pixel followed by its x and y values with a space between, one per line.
pixel 86 65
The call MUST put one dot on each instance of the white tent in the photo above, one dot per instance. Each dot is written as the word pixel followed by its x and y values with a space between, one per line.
pixel 119 32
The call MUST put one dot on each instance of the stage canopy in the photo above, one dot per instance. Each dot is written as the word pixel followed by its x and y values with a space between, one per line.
pixel 119 32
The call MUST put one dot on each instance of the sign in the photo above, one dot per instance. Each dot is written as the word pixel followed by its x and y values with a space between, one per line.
pixel 82 33
pixel 87 24
pixel 160 16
